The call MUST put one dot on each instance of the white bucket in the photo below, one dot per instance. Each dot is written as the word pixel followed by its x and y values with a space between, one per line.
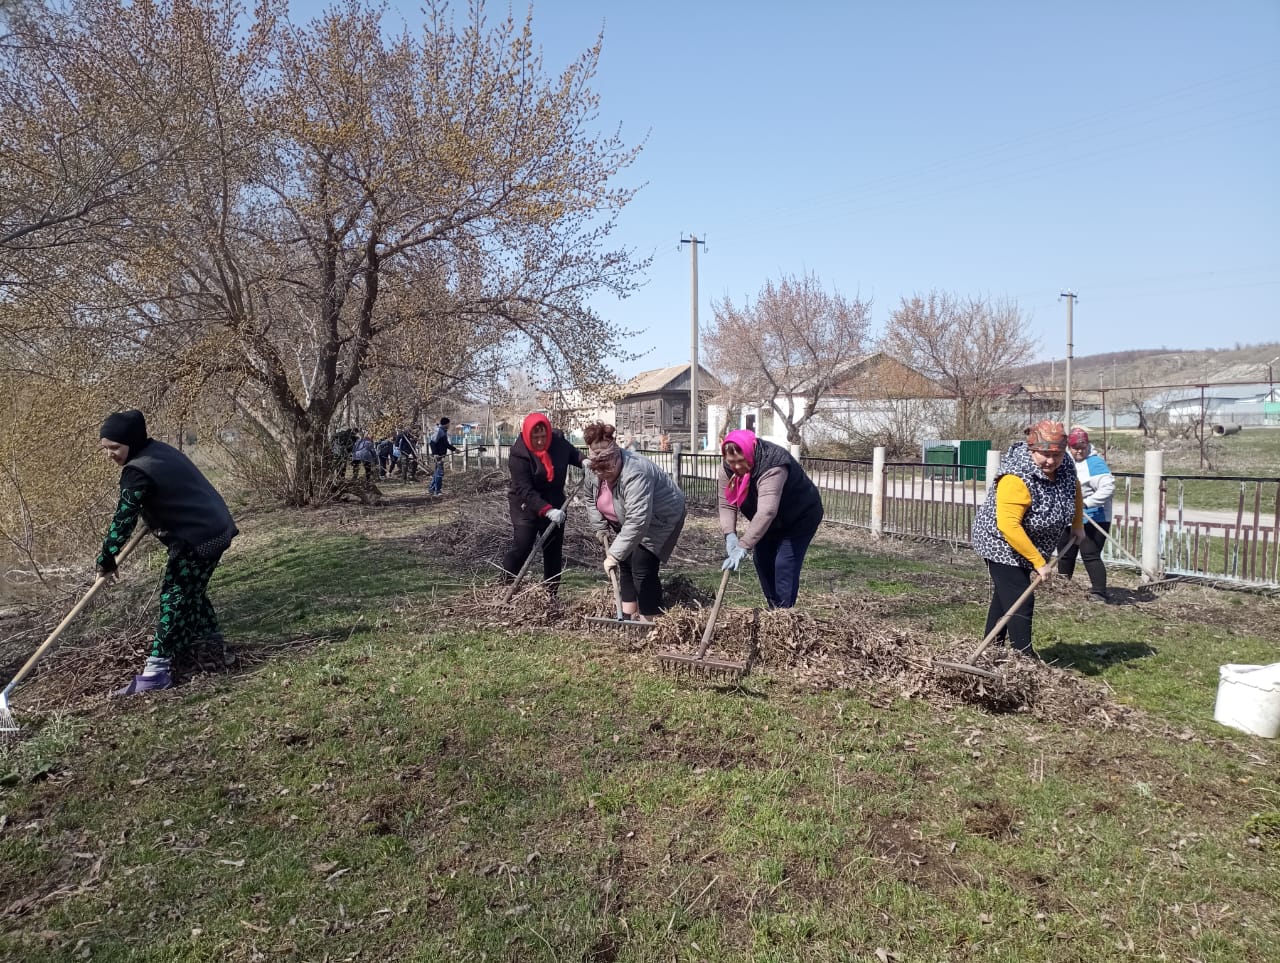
pixel 1249 698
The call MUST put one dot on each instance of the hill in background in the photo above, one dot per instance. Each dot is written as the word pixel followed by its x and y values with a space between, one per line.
pixel 1136 368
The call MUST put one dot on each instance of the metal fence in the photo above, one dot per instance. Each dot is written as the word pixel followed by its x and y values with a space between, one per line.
pixel 1199 537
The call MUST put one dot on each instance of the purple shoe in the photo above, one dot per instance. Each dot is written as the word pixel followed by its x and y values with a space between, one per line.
pixel 147 683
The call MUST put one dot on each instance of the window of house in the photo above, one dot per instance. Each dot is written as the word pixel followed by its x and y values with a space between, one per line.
pixel 677 413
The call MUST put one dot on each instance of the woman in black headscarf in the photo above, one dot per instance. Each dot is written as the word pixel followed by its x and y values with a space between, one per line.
pixel 160 485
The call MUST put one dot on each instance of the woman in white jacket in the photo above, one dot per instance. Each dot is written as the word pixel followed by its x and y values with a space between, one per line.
pixel 1097 486
pixel 632 497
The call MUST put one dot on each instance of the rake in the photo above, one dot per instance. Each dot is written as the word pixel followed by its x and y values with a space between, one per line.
pixel 620 619
pixel 697 663
pixel 509 594
pixel 969 666
pixel 1152 581
pixel 7 722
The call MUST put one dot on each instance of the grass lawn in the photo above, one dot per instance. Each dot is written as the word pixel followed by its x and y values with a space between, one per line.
pixel 389 781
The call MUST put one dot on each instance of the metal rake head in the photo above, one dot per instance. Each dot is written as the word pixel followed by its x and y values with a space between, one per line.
pixel 7 722
pixel 716 670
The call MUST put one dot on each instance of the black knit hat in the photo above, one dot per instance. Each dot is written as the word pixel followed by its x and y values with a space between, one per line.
pixel 126 428
pixel 444 421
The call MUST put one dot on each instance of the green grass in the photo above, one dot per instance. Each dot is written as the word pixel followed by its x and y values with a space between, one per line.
pixel 416 789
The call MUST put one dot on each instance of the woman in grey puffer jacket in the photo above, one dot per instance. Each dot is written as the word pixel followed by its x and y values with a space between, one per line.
pixel 635 499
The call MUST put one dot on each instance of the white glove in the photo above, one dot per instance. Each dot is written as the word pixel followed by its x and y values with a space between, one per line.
pixel 556 516
pixel 610 564
pixel 602 537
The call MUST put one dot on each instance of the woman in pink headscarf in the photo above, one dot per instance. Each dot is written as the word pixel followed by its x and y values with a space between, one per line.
pixel 761 482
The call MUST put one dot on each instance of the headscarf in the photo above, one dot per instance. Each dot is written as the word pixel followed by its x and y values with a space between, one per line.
pixel 1079 437
pixel 735 493
pixel 1047 436
pixel 126 428
pixel 531 421
pixel 605 451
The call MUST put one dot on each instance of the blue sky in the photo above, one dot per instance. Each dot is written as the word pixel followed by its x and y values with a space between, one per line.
pixel 1126 150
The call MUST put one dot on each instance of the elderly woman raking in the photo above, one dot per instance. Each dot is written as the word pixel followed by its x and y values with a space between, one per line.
pixel 765 485
pixel 539 462
pixel 632 497
pixel 1031 502
pixel 1097 487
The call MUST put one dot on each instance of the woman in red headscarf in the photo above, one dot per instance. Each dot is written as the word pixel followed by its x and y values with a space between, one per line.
pixel 539 461
pixel 762 482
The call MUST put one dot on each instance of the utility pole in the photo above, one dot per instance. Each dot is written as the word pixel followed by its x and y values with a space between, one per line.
pixel 693 242
pixel 1071 300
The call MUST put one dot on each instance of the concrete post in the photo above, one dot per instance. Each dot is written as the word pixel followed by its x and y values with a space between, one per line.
pixel 993 466
pixel 877 491
pixel 1153 473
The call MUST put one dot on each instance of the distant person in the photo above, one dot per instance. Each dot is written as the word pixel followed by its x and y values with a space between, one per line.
pixel 1033 500
pixel 764 484
pixel 1097 486
pixel 160 485
pixel 344 441
pixel 539 464
pixel 440 446
pixel 406 443
pixel 363 454
pixel 383 448
pixel 664 442
pixel 637 501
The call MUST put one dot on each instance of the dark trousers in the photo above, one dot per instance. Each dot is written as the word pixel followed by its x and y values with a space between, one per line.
pixel 1090 552
pixel 778 560
pixel 186 614
pixel 408 467
pixel 355 469
pixel 1007 583
pixel 639 582
pixel 527 528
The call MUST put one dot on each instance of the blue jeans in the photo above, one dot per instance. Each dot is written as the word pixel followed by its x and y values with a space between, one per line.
pixel 778 560
pixel 437 476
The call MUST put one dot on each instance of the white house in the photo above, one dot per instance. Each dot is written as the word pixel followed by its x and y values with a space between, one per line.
pixel 877 398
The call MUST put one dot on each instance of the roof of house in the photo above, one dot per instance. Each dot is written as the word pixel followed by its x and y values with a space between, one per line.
pixel 659 379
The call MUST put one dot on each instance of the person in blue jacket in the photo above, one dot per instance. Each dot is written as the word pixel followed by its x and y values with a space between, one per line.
pixel 1097 487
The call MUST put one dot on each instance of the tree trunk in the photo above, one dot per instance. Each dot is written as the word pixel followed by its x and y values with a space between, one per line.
pixel 308 462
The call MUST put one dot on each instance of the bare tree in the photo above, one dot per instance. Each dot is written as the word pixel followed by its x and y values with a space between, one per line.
pixel 786 350
pixel 969 346
pixel 305 204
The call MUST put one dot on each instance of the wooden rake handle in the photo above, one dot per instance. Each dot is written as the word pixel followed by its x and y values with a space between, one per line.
pixel 710 630
pixel 537 547
pixel 76 610
pixel 1004 619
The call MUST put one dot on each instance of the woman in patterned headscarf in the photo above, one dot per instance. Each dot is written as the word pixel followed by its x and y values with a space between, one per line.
pixel 762 482
pixel 1032 500
pixel 637 501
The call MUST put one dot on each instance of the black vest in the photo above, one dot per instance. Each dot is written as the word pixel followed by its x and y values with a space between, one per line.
pixel 182 507
pixel 800 503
